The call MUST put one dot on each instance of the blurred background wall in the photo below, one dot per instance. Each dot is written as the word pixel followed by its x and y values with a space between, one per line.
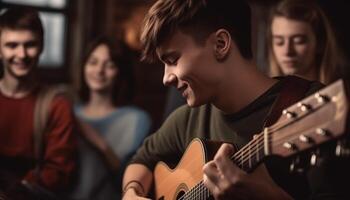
pixel 71 24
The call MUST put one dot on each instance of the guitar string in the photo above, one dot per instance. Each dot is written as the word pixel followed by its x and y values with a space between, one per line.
pixel 252 146
pixel 240 152
pixel 243 151
pixel 200 186
pixel 237 157
pixel 278 140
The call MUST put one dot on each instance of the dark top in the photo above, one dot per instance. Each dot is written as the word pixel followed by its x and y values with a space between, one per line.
pixel 170 141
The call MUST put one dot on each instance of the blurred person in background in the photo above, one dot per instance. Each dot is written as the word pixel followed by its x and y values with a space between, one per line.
pixel 111 130
pixel 302 42
pixel 37 161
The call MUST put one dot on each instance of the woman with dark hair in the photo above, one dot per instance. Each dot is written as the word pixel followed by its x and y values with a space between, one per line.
pixel 111 130
pixel 301 42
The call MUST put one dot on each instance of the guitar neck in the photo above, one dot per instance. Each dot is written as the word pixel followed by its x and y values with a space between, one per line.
pixel 248 157
pixel 314 121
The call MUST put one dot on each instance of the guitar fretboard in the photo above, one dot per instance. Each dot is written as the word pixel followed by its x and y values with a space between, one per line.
pixel 246 159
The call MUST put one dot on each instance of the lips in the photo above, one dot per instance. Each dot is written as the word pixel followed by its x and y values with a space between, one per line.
pixel 182 90
pixel 290 63
pixel 21 63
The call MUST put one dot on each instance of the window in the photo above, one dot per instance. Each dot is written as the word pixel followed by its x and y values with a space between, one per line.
pixel 54 39
pixel 53 14
pixel 41 3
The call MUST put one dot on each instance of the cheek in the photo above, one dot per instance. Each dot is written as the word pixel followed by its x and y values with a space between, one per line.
pixel 87 72
pixel 277 56
pixel 34 52
pixel 302 51
pixel 112 74
pixel 277 51
pixel 5 54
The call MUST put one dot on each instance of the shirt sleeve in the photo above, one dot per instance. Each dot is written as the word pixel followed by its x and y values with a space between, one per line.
pixel 60 148
pixel 167 144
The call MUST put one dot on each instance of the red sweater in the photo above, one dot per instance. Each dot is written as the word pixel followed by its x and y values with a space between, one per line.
pixel 16 141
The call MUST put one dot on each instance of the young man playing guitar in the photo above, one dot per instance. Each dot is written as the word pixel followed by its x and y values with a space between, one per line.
pixel 205 48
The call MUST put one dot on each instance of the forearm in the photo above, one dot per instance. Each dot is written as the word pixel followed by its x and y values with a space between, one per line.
pixel 92 136
pixel 112 159
pixel 100 144
pixel 137 178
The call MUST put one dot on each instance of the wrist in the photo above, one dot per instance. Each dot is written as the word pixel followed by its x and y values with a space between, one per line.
pixel 134 186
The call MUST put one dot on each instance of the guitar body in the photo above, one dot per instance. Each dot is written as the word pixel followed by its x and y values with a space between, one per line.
pixel 171 184
pixel 304 126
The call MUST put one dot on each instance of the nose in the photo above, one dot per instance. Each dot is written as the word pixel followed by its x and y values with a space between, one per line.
pixel 100 68
pixel 290 48
pixel 21 52
pixel 169 77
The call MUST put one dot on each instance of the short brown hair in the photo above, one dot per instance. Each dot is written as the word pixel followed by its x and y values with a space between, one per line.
pixel 199 18
pixel 22 18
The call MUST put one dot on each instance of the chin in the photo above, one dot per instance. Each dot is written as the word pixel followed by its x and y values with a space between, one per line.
pixel 97 89
pixel 289 72
pixel 21 73
pixel 194 104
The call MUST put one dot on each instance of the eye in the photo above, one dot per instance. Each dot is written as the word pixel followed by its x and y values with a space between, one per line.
pixel 300 40
pixel 110 65
pixel 171 60
pixel 11 45
pixel 92 61
pixel 31 44
pixel 278 41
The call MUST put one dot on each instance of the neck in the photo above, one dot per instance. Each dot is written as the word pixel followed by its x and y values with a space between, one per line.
pixel 99 105
pixel 310 74
pixel 17 88
pixel 244 83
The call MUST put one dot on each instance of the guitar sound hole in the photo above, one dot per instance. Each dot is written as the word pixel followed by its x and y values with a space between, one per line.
pixel 180 194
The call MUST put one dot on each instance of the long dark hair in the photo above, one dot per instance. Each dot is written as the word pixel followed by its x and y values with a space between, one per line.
pixel 123 87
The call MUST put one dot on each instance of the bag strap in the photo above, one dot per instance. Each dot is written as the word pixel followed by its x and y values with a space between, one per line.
pixel 41 114
pixel 293 90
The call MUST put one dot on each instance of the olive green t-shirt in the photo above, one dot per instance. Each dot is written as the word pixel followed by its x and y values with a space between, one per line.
pixel 207 122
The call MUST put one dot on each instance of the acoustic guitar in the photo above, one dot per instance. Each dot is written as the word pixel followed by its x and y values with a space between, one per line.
pixel 303 127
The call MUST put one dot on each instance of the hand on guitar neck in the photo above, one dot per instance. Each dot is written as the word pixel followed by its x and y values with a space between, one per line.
pixel 310 124
pixel 225 180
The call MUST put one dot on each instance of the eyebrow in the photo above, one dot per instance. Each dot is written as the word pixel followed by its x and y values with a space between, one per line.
pixel 296 35
pixel 14 42
pixel 166 55
pixel 277 36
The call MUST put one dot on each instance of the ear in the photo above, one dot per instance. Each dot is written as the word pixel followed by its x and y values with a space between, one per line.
pixel 222 44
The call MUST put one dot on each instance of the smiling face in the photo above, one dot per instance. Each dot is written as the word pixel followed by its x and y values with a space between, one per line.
pixel 294 46
pixel 100 72
pixel 19 52
pixel 190 68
